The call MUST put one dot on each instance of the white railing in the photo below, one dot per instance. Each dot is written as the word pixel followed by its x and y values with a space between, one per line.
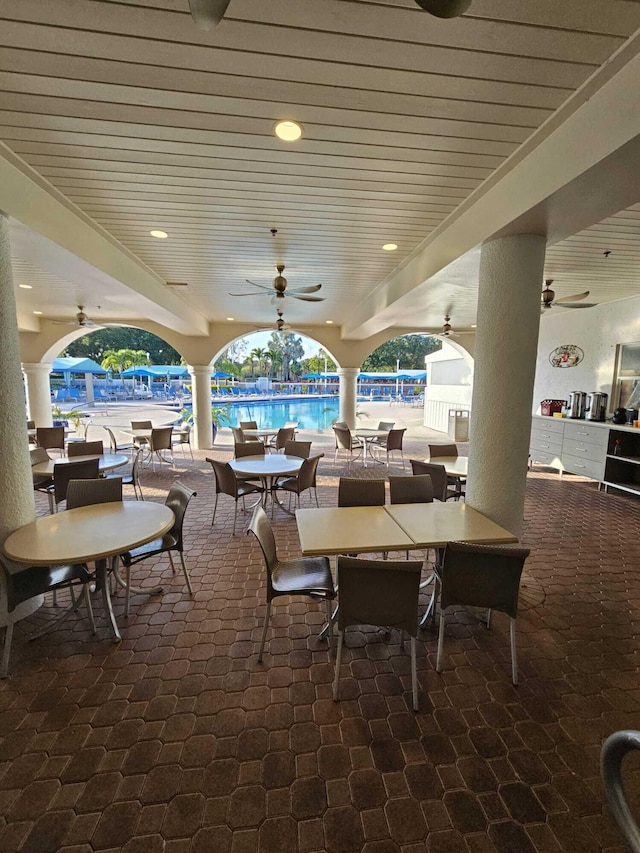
pixel 436 413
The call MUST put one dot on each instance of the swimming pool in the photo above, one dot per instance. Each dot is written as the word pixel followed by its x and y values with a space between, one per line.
pixel 317 413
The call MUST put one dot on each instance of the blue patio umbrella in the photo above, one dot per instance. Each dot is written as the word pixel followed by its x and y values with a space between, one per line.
pixel 220 374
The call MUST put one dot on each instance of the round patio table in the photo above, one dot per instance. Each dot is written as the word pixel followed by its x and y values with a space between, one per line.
pixel 455 466
pixel 268 468
pixel 369 436
pixel 106 462
pixel 91 533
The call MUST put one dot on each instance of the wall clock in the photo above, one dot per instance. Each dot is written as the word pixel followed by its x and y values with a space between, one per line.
pixel 566 355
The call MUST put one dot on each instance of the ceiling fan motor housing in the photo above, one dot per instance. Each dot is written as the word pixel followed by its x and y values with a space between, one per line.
pixel 548 295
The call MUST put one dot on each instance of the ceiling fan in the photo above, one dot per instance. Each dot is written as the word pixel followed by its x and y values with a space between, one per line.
pixel 207 14
pixel 277 290
pixel 82 321
pixel 548 299
pixel 447 329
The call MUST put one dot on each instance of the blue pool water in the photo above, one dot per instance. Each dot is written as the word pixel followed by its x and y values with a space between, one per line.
pixel 317 413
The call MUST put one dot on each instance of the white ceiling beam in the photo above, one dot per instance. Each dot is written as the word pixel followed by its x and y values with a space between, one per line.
pixel 31 200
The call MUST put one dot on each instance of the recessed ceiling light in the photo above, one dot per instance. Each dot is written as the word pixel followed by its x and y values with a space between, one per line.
pixel 390 247
pixel 328 322
pixel 161 235
pixel 231 318
pixel 25 286
pixel 288 131
pixel 37 312
pixel 474 326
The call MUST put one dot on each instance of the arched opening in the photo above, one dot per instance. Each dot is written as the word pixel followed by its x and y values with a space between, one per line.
pixel 278 377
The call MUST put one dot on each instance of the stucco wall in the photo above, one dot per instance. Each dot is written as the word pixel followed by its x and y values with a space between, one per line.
pixel 596 331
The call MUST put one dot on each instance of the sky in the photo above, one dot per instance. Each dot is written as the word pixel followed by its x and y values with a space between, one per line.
pixel 262 339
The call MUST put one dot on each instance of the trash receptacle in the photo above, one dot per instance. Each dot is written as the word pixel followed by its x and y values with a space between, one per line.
pixel 459 424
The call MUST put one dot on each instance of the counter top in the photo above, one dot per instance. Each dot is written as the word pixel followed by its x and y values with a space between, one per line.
pixel 603 424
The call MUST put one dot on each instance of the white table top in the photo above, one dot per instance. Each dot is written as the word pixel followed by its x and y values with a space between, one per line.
pixel 366 432
pixel 88 533
pixel 263 432
pixel 106 462
pixel 353 529
pixel 267 465
pixel 455 466
pixel 434 524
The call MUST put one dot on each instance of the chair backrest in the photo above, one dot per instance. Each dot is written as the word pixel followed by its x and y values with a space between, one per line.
pixel 85 448
pixel 388 425
pixel 248 424
pixel 87 469
pixel 438 474
pixel 284 435
pixel 340 425
pixel 226 481
pixel 379 592
pixel 184 433
pixel 113 444
pixel 50 437
pixel 482 576
pixel 394 439
pixel 31 424
pixel 442 450
pixel 161 438
pixel 104 490
pixel 38 454
pixel 178 501
pixel 298 448
pixel 261 529
pixel 249 448
pixel 411 490
pixel 238 435
pixel 307 473
pixel 355 492
pixel 141 425
pixel 343 437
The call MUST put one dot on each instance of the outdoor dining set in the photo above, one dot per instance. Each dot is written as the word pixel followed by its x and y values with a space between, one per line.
pixel 425 514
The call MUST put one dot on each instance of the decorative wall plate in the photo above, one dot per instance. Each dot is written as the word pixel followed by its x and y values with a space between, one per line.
pixel 566 355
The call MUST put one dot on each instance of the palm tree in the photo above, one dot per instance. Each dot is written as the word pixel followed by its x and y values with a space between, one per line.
pixel 259 355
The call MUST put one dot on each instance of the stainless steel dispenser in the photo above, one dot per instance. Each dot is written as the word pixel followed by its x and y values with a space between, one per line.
pixel 576 404
pixel 596 406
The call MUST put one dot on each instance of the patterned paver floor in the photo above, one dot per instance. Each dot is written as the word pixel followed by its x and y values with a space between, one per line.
pixel 177 740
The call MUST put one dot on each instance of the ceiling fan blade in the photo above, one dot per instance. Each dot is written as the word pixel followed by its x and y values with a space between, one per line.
pixel 575 297
pixel 313 288
pixel 306 298
pixel 207 14
pixel 245 294
pixel 444 8
pixel 578 305
pixel 261 286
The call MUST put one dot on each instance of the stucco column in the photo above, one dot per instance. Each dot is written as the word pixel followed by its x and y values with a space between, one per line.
pixel 36 379
pixel 16 496
pixel 511 273
pixel 348 377
pixel 201 396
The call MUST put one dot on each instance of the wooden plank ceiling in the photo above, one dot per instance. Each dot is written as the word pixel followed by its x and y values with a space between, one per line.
pixel 146 122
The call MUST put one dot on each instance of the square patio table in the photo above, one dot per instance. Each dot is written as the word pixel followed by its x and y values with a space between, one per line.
pixel 352 529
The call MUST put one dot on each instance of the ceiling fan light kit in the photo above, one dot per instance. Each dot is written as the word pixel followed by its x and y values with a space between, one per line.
pixel 444 8
pixel 207 14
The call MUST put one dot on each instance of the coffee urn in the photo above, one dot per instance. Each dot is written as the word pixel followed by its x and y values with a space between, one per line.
pixel 596 406
pixel 576 404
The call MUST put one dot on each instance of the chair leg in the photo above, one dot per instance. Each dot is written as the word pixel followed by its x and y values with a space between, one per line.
pixel 215 507
pixel 514 658
pixel 329 625
pixel 488 618
pixel 87 598
pixel 6 651
pixel 186 573
pixel 235 516
pixel 336 677
pixel 440 642
pixel 414 674
pixel 127 591
pixel 267 614
pixel 173 566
